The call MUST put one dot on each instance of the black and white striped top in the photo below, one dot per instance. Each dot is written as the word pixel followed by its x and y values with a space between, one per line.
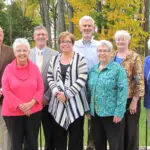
pixel 74 88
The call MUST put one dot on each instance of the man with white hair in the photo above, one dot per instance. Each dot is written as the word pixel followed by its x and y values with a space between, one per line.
pixel 87 47
pixel 6 56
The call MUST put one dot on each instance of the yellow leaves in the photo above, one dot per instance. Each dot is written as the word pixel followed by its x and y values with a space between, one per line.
pixel 31 10
pixel 81 8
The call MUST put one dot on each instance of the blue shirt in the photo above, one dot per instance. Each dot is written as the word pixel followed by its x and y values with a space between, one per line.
pixel 118 59
pixel 108 90
pixel 147 82
pixel 87 50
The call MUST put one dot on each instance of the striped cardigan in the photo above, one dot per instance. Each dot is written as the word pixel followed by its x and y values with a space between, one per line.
pixel 74 88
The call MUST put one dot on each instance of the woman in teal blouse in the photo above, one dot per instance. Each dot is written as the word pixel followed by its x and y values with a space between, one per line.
pixel 108 89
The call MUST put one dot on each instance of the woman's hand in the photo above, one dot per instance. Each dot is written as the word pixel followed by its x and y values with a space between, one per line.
pixel 28 113
pixel 61 96
pixel 25 107
pixel 133 105
pixel 116 119
pixel 88 116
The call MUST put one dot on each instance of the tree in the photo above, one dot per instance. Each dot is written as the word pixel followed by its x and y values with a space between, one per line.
pixel 61 18
pixel 15 23
pixel 147 23
pixel 44 11
pixel 70 16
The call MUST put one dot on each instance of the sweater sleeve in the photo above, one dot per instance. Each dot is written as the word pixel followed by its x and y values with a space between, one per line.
pixel 122 93
pixel 40 87
pixel 9 96
pixel 139 77
pixel 80 81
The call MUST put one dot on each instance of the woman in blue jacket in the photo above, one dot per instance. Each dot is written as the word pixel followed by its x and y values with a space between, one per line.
pixel 147 85
pixel 108 89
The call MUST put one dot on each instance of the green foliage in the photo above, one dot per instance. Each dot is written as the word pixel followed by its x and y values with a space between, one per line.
pixel 15 23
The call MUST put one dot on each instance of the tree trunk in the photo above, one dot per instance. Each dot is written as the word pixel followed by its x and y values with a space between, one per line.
pixel 61 18
pixel 44 11
pixel 147 23
pixel 70 16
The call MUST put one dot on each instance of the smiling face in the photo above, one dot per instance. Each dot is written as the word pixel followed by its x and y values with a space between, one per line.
pixel 66 45
pixel 87 28
pixel 21 53
pixel 104 54
pixel 122 42
pixel 41 38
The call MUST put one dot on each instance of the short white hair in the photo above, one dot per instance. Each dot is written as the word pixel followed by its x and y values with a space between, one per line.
pixel 1 30
pixel 121 33
pixel 148 43
pixel 86 18
pixel 20 41
pixel 106 43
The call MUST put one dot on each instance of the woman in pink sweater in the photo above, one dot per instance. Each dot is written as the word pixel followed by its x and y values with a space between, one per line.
pixel 22 88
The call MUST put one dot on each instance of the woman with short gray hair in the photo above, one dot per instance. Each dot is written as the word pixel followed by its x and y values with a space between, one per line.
pixel 107 86
pixel 22 87
pixel 132 63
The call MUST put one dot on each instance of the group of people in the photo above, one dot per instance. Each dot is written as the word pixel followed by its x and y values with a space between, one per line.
pixel 59 89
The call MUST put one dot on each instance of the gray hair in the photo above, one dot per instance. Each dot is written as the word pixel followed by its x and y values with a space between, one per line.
pixel 106 43
pixel 20 41
pixel 86 18
pixel 122 33
pixel 148 43
pixel 1 29
pixel 40 27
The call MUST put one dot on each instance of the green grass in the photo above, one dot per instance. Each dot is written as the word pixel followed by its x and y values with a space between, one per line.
pixel 142 129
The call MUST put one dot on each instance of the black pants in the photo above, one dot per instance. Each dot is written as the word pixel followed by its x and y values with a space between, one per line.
pixel 47 128
pixel 74 135
pixel 46 120
pixel 130 130
pixel 23 127
pixel 104 129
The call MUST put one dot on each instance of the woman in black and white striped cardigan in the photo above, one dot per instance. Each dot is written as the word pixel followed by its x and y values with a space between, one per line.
pixel 67 77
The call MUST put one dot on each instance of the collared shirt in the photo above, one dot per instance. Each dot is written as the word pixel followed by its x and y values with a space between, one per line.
pixel 87 50
pixel 108 90
pixel 134 69
pixel 39 58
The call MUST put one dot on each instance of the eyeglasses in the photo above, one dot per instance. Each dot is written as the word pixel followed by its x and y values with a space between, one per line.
pixel 22 50
pixel 41 34
pixel 65 42
pixel 103 50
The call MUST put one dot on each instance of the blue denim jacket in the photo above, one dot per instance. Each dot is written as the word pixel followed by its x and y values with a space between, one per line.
pixel 108 90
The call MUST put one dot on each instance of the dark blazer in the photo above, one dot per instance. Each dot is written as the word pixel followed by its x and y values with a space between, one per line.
pixel 47 56
pixel 6 56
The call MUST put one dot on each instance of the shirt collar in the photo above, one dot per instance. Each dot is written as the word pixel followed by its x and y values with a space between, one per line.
pixel 108 66
pixel 38 50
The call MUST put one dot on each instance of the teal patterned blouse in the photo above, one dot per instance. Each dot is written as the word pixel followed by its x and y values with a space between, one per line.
pixel 108 90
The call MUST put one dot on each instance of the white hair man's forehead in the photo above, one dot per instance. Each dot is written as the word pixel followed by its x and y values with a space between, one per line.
pixel 86 18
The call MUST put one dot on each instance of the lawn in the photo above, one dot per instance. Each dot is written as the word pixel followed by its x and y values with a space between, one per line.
pixel 142 130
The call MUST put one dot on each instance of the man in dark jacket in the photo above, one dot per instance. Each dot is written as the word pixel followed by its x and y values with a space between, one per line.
pixel 6 56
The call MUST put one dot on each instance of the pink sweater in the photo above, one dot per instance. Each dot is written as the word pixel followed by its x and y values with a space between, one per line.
pixel 21 85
